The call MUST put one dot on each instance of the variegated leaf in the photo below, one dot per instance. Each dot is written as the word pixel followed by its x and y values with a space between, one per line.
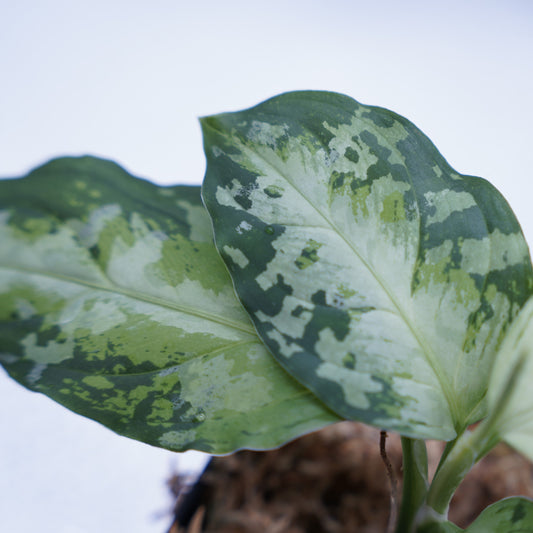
pixel 378 276
pixel 510 394
pixel 510 515
pixel 115 303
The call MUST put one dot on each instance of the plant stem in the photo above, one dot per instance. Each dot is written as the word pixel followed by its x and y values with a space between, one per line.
pixel 469 448
pixel 453 470
pixel 393 482
pixel 415 483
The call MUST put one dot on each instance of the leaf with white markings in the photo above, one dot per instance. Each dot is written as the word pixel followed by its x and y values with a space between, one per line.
pixel 510 515
pixel 509 395
pixel 115 303
pixel 379 277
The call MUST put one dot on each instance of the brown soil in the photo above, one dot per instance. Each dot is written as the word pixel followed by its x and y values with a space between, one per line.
pixel 335 481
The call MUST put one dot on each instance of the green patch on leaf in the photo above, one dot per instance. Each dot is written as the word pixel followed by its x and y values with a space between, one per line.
pixel 274 192
pixel 309 254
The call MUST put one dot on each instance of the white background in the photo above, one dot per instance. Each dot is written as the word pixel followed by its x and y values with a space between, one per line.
pixel 127 80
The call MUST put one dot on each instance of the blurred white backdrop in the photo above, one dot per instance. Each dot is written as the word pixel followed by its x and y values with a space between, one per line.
pixel 127 81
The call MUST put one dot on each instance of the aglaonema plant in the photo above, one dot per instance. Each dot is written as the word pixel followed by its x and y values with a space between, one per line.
pixel 340 269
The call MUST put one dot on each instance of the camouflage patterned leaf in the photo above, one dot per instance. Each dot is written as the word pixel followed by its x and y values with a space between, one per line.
pixel 115 303
pixel 514 422
pixel 510 515
pixel 378 276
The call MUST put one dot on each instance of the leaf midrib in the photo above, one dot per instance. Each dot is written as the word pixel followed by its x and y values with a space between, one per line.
pixel 142 297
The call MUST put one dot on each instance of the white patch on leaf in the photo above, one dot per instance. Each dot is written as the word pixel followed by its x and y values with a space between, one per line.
pixel 198 221
pixel 24 308
pixel 128 265
pixel 446 202
pixel 265 134
pixel 237 389
pixel 52 353
pixel 354 385
pixel 243 226
pixel 225 195
pixel 35 374
pixel 177 440
pixel 287 320
pixel 89 232
pixel 57 254
pixel 236 256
